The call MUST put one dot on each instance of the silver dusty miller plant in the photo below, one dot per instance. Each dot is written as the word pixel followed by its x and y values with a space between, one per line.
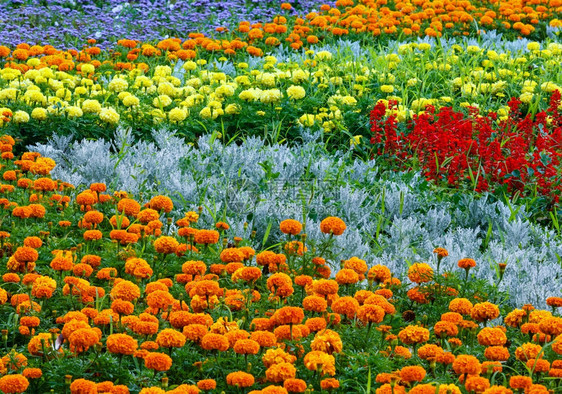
pixel 391 219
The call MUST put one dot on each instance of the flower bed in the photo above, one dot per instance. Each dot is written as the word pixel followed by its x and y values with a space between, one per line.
pixel 331 90
pixel 481 152
pixel 101 293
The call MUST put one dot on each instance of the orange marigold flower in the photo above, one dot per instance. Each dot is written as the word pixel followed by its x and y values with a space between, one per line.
pixel 387 388
pixel 347 276
pixel 148 215
pixel 290 226
pixel 413 373
pixel 205 288
pixel 484 311
pixel 93 217
pixel 92 235
pixel 120 222
pixel 122 307
pixel 496 353
pixel 125 290
pixel 295 385
pixel 289 315
pixel 240 379
pixel 277 355
pixel 326 287
pixel 518 382
pixel 327 341
pixel 194 267
pixel 157 361
pixel 161 203
pixel 346 306
pixel 555 302
pixel 169 338
pixel 466 364
pixel 249 274
pixel 207 237
pixel 332 225
pixel 9 277
pixel 98 187
pixel 83 338
pixel 413 335
pixel 26 254
pixel 477 384
pixel 231 255
pixel 222 226
pixel 315 303
pixel 207 384
pixel 139 268
pixel 264 338
pixel 35 346
pixel 121 344
pixel 379 273
pixel 498 390
pixel 551 325
pixel 441 252
pixel 492 336
pixel 445 328
pixel 430 352
pixel 370 313
pixel 32 373
pixel 357 265
pixel 280 372
pixel 303 280
pixel 160 299
pixel 423 389
pixel 317 360
pixel 166 245
pixel 420 273
pixel 266 258
pixel 128 206
pixel 83 386
pixel 461 306
pixel 466 263
pixel 539 365
pixel 87 197
pixel 215 342
pixel 528 351
pixel 246 346
pixel 195 332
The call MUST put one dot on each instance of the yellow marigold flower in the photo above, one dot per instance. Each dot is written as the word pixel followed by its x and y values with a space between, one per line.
pixel 296 92
pixel 91 106
pixel 20 117
pixel 109 115
pixel 39 114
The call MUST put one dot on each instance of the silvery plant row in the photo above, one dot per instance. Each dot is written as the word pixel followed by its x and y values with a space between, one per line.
pixel 392 219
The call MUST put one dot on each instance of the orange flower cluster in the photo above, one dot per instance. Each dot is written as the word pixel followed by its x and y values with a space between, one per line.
pixel 361 19
pixel 226 302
